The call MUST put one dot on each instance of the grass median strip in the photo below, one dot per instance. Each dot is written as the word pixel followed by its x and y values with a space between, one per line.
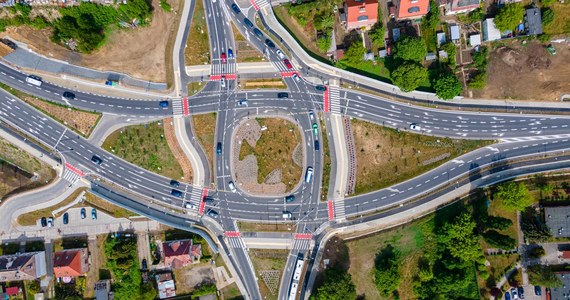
pixel 269 83
pixel 385 156
pixel 81 121
pixel 197 50
pixel 327 164
pixel 205 130
pixel 145 146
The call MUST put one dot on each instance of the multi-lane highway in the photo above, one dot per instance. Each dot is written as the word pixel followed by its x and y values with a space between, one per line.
pixel 519 135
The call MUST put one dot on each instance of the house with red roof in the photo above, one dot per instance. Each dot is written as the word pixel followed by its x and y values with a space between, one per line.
pixel 361 13
pixel 71 263
pixel 180 253
pixel 412 9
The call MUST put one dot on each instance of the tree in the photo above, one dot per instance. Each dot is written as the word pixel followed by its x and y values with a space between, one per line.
pixel 496 222
pixel 536 252
pixel 459 238
pixel 377 35
pixel 324 43
pixel 497 240
pixel 480 58
pixel 478 81
pixel 410 48
pixel 533 228
pixel 324 21
pixel 514 196
pixel 547 2
pixel 451 53
pixel 409 75
pixel 543 276
pixel 355 53
pixel 447 86
pixel 432 18
pixel 387 273
pixel 509 16
pixel 336 286
pixel 547 16
pixel 472 17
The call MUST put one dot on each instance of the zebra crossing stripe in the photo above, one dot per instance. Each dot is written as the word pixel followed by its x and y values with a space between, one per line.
pixel 254 5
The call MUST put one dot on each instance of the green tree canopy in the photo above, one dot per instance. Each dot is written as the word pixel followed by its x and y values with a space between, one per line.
pixel 533 226
pixel 336 286
pixel 514 196
pixel 543 276
pixel 387 274
pixel 459 238
pixel 498 240
pixel 324 43
pixel 509 16
pixel 432 18
pixel 478 81
pixel 447 86
pixel 355 53
pixel 410 48
pixel 377 35
pixel 547 16
pixel 409 75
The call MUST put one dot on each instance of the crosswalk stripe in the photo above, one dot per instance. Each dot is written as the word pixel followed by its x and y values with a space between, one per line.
pixel 334 98
pixel 196 196
pixel 70 176
pixel 261 4
pixel 301 244
pixel 236 242
pixel 177 109
pixel 339 209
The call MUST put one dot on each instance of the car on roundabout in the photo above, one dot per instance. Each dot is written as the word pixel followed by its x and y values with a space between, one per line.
pixel 82 213
pixel 65 218
pixel 93 214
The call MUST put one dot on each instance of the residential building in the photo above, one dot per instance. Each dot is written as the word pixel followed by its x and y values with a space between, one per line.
pixel 412 9
pixel 166 287
pixel 454 32
pixel 461 6
pixel 180 253
pixel 562 292
pixel 441 38
pixel 26 266
pixel 361 14
pixel 71 263
pixel 533 21
pixel 558 220
pixel 475 40
pixel 102 289
pixel 490 31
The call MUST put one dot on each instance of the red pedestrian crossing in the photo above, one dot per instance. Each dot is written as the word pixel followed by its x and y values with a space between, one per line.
pixel 203 203
pixel 327 104
pixel 232 233
pixel 74 169
pixel 330 206
pixel 185 107
pixel 303 236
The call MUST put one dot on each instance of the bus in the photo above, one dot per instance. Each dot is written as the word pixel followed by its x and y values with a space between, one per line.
pixel 296 277
pixel 35 80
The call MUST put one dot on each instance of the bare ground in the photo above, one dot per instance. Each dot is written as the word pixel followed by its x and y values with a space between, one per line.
pixel 177 150
pixel 140 53
pixel 527 72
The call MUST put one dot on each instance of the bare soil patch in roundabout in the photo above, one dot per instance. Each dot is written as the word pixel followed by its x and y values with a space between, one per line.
pixel 267 155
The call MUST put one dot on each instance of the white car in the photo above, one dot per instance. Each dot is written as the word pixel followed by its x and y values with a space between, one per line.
pixel 280 54
pixel 415 127
pixel 311 115
pixel 242 102
pixel 223 81
pixel 232 186
pixel 190 206
pixel 296 77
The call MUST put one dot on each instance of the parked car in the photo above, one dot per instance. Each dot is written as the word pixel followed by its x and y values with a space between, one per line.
pixel 174 183
pixel 288 64
pixel 315 128
pixel 507 296
pixel 93 214
pixel 296 77
pixel 415 127
pixel 269 44
pixel 50 222
pixel 163 104
pixel 283 95
pixel 232 186
pixel 69 95
pixel 212 213
pixel 176 193
pixel 230 53
pixel 280 54
pixel 514 295
pixel 66 218
pixel 290 198
pixel 96 160
pixel 43 221
pixel 520 289
pixel 258 33
pixel 538 290
pixel 83 213
pixel 248 22
pixel 235 8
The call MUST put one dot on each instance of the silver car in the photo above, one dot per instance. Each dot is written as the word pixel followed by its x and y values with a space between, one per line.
pixel 415 127
pixel 232 186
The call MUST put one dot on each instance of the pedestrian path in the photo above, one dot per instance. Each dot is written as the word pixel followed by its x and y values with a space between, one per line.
pixel 224 68
pixel 334 98
pixel 70 176
pixel 301 244
pixel 196 196
pixel 339 209
pixel 236 243
pixel 177 107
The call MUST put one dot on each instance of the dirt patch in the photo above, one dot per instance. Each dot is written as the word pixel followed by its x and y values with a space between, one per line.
pixel 177 151
pixel 528 71
pixel 140 52
pixel 197 50
pixel 264 162
pixel 191 276
pixel 5 50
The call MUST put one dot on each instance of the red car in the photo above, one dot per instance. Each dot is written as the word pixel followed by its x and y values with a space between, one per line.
pixel 224 58
pixel 288 64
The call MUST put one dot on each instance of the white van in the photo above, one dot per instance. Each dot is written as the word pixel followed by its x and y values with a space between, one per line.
pixel 309 174
pixel 35 80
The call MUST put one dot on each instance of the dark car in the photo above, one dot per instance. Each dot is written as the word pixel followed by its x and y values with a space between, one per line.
pixel 93 214
pixel 235 8
pixel 212 213
pixel 96 160
pixel 219 149
pixel 9 43
pixel 282 95
pixel 258 33
pixel 83 213
pixel 269 43
pixel 209 199
pixel 538 290
pixel 507 295
pixel 65 218
pixel 230 53
pixel 288 64
pixel 163 104
pixel 520 289
pixel 43 222
pixel 290 198
pixel 174 183
pixel 69 95
pixel 321 88
pixel 176 193
pixel 317 145
pixel 144 264
pixel 248 22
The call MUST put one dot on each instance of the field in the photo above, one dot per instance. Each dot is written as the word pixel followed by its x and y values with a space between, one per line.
pixel 561 22
pixel 80 121
pixel 260 227
pixel 305 36
pixel 194 88
pixel 269 260
pixel 231 292
pixel 526 72
pixel 205 130
pixel 12 179
pixel 244 51
pixel 177 150
pixel 144 52
pixel 327 164
pixel 32 217
pixel 197 50
pixel 145 146
pixel 385 156
pixel 275 150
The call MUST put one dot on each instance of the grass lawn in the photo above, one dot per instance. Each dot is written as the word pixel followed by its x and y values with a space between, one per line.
pixel 373 69
pixel 69 243
pixel 327 164
pixel 268 260
pixel 269 83
pixel 205 130
pixel 244 52
pixel 197 50
pixel 428 35
pixel 80 121
pixel 105 206
pixel 274 150
pixel 12 179
pixel 145 146
pixel 31 218
pixel 195 87
pixel 231 292
pixel 32 246
pixel 385 156
pixel 561 22
pixel 259 227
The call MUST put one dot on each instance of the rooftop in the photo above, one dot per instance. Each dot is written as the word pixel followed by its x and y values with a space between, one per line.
pixel 361 12
pixel 412 9
pixel 464 4
pixel 70 263
pixel 533 21
pixel 561 292
pixel 26 266
pixel 490 31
